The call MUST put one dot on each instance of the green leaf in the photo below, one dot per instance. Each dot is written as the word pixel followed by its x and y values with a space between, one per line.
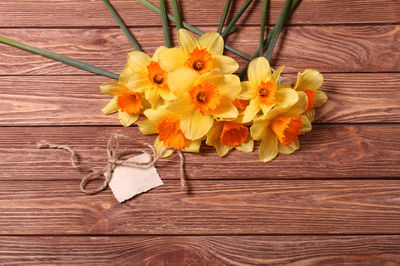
pixel 178 21
pixel 236 18
pixel 164 19
pixel 122 25
pixel 61 58
pixel 222 21
pixel 190 27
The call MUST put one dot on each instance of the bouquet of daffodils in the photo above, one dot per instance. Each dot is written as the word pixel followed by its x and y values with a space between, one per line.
pixel 189 95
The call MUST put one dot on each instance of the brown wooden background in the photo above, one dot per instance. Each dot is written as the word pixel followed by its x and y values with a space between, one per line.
pixel 336 201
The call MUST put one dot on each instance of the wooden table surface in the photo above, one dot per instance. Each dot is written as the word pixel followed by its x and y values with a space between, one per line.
pixel 335 201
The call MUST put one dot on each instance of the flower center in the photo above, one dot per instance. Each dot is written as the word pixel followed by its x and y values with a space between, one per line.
pixel 198 65
pixel 205 97
pixel 158 78
pixel 170 133
pixel 201 97
pixel 233 134
pixel 129 102
pixel 200 60
pixel 287 129
pixel 156 74
pixel 266 92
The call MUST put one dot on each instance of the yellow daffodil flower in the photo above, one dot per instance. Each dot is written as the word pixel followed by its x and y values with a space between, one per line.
pixel 149 77
pixel 309 82
pixel 200 99
pixel 226 135
pixel 263 89
pixel 127 100
pixel 279 129
pixel 202 55
pixel 167 125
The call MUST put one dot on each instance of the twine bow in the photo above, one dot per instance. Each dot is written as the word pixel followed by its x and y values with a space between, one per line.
pixel 114 160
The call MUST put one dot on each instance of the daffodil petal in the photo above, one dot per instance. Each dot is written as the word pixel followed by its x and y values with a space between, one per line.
pixel 125 75
pixel 310 79
pixel 147 127
pixel 166 94
pixel 300 106
pixel 228 85
pixel 139 82
pixel 193 146
pixel 138 61
pixel 266 108
pixel 259 70
pixel 111 107
pixel 289 149
pixel 213 139
pixel 226 110
pixel 159 148
pixel 113 88
pixel 248 90
pixel 127 119
pixel 247 146
pixel 157 53
pixel 259 126
pixel 213 42
pixel 182 106
pixel 277 74
pixel 187 41
pixel 310 115
pixel 152 96
pixel 320 98
pixel 181 80
pixel 156 115
pixel 269 146
pixel 171 59
pixel 286 97
pixel 226 64
pixel 196 125
pixel 251 110
pixel 306 124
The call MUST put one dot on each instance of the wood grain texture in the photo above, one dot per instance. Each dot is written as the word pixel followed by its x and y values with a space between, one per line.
pixel 326 152
pixel 328 48
pixel 202 250
pixel 211 207
pixel 79 13
pixel 69 100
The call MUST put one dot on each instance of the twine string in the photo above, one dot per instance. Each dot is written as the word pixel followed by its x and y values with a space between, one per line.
pixel 114 159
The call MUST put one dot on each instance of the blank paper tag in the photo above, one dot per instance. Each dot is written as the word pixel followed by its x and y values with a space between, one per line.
pixel 127 182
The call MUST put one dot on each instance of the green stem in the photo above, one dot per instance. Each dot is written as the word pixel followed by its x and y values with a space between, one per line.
pixel 268 39
pixel 236 18
pixel 178 21
pixel 57 57
pixel 262 27
pixel 279 25
pixel 190 27
pixel 122 25
pixel 222 21
pixel 164 19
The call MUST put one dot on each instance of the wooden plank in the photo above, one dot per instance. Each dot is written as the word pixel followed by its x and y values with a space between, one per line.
pixel 202 250
pixel 67 100
pixel 211 207
pixel 326 48
pixel 78 13
pixel 326 152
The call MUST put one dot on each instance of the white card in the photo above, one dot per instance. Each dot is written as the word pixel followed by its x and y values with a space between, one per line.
pixel 127 181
